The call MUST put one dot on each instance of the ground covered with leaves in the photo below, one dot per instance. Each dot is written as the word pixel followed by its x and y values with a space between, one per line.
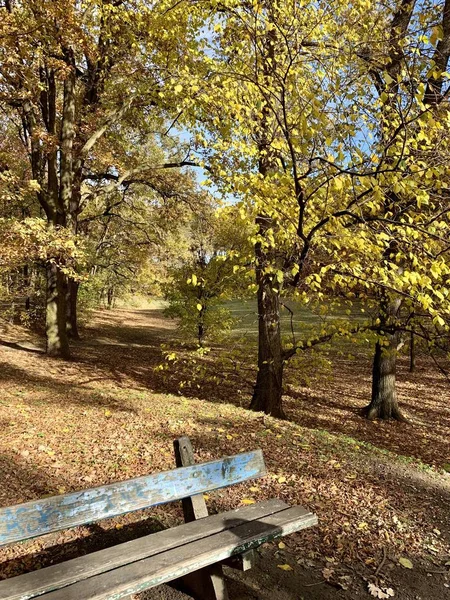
pixel 379 489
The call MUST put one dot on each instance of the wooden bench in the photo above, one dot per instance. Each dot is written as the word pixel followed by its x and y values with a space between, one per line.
pixel 194 551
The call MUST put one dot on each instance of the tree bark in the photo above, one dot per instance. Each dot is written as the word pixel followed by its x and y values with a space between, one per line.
pixel 72 309
pixel 268 390
pixel 412 352
pixel 56 330
pixel 384 404
pixel 110 298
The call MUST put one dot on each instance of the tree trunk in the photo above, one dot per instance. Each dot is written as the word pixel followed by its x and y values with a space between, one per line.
pixel 267 394
pixel 56 330
pixel 72 312
pixel 110 297
pixel 268 391
pixel 412 352
pixel 26 285
pixel 200 329
pixel 383 404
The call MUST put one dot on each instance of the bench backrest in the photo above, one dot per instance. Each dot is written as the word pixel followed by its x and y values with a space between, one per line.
pixel 32 519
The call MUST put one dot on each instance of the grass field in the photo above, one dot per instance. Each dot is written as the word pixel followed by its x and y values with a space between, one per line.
pixel 303 319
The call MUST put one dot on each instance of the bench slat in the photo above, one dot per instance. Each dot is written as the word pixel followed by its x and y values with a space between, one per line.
pixel 57 576
pixel 39 517
pixel 175 563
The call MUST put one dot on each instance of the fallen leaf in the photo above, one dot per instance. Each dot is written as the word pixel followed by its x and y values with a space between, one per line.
pixel 285 567
pixel 248 501
pixel 377 592
pixel 405 562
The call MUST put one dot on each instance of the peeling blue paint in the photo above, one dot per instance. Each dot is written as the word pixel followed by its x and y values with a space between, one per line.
pixel 36 518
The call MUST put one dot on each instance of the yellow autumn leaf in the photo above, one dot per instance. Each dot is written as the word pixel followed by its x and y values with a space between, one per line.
pixel 248 501
pixel 285 567
pixel 281 479
pixel 281 545
pixel 405 562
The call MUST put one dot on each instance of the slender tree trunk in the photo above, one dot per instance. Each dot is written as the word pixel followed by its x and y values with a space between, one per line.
pixel 72 308
pixel 200 334
pixel 267 395
pixel 26 285
pixel 110 297
pixel 56 330
pixel 412 352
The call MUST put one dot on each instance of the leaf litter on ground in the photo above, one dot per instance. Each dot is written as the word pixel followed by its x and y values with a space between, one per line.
pixel 103 418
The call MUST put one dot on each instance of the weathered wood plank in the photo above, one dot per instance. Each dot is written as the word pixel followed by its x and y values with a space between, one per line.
pixel 166 566
pixel 57 576
pixel 207 583
pixel 39 517
pixel 194 507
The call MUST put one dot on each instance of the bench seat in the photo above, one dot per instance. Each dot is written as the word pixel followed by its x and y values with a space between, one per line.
pixel 149 561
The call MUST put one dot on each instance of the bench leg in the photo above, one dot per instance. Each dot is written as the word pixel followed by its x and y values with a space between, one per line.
pixel 208 583
pixel 242 562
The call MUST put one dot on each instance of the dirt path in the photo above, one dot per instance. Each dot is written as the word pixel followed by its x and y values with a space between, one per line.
pixel 108 415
